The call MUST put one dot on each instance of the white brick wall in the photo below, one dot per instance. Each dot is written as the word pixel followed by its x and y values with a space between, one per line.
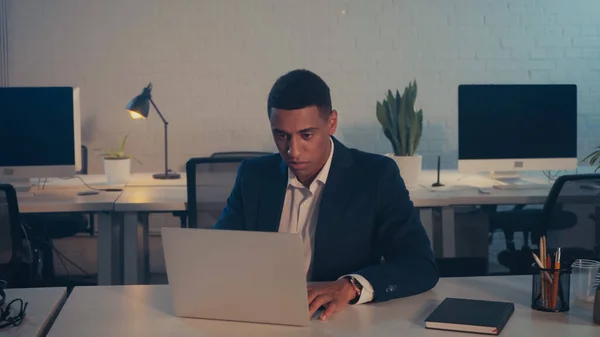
pixel 212 63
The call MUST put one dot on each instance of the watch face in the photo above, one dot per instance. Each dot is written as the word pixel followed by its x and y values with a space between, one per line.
pixel 356 283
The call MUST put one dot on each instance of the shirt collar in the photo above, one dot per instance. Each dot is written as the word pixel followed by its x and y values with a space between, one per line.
pixel 321 177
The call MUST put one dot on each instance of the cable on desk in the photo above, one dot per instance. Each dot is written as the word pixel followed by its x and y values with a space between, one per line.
pixel 6 319
pixel 96 189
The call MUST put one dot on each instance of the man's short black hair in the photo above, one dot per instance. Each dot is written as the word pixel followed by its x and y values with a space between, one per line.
pixel 299 89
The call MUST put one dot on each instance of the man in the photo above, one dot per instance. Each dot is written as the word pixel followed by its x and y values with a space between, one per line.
pixel 362 237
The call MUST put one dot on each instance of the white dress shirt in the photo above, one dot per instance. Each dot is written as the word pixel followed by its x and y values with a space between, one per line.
pixel 300 213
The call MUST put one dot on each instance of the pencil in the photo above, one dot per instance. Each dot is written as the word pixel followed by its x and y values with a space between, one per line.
pixel 556 276
pixel 543 261
pixel 539 263
pixel 548 286
pixel 542 267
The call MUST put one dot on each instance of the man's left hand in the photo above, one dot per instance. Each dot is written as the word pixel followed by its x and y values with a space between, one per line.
pixel 334 296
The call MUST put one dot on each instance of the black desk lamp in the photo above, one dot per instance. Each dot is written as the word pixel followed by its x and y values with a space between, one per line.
pixel 139 107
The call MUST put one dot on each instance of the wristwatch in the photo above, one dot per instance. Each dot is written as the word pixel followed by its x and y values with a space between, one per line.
pixel 357 289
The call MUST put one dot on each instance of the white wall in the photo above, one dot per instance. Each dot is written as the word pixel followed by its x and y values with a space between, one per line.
pixel 212 63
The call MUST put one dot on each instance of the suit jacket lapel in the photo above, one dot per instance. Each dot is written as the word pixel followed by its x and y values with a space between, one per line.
pixel 338 190
pixel 271 200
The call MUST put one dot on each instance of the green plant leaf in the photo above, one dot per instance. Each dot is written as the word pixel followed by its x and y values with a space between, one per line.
pixel 393 107
pixel 120 153
pixel 134 158
pixel 122 147
pixel 392 140
pixel 417 127
pixel 593 159
pixel 404 123
pixel 401 125
pixel 591 155
pixel 383 116
pixel 392 126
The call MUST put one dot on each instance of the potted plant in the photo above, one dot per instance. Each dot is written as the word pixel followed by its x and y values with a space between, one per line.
pixel 593 159
pixel 117 165
pixel 403 126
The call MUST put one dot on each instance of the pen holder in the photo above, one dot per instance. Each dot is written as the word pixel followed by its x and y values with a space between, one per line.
pixel 551 289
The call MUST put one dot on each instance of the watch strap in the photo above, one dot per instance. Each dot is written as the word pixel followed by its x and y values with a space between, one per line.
pixel 357 289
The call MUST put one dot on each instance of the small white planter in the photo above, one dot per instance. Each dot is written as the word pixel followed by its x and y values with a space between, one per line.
pixel 117 170
pixel 410 168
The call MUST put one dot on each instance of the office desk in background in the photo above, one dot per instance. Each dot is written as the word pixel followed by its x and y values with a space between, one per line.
pixel 44 305
pixel 138 201
pixel 123 216
pixel 145 310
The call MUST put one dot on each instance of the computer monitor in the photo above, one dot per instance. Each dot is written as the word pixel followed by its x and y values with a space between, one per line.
pixel 40 132
pixel 507 128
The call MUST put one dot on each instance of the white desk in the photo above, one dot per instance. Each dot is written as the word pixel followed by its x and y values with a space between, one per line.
pixel 99 181
pixel 146 311
pixel 44 305
pixel 135 203
pixel 57 199
pixel 123 216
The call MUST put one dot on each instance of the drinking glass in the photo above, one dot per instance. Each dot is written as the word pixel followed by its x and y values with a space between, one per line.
pixel 584 279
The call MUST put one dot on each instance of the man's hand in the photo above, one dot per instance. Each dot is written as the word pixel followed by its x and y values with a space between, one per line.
pixel 334 296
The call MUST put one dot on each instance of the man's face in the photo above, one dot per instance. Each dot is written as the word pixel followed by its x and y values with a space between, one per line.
pixel 303 138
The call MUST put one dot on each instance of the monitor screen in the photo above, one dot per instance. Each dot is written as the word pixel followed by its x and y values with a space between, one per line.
pixel 518 121
pixel 37 126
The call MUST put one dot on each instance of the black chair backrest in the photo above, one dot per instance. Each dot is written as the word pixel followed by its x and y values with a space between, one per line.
pixel 244 154
pixel 209 182
pixel 571 217
pixel 11 234
pixel 223 166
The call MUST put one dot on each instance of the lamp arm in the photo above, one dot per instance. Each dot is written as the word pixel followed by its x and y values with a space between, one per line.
pixel 158 111
pixel 166 138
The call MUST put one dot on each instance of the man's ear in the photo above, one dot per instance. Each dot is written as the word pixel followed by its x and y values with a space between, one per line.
pixel 332 122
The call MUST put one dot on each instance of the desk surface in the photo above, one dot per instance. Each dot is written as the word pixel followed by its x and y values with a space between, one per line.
pixel 44 304
pixel 143 310
pixel 145 194
pixel 460 189
pixel 52 200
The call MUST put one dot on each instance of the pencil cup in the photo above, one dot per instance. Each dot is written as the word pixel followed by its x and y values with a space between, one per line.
pixel 596 313
pixel 584 275
pixel 551 289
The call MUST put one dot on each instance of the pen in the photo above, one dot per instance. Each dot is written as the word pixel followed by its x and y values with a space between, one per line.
pixel 556 276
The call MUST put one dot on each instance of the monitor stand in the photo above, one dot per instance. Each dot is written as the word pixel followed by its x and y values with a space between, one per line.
pixel 511 180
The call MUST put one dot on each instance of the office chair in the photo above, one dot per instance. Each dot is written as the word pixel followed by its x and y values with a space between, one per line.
pixel 238 154
pixel 13 243
pixel 565 220
pixel 207 193
pixel 217 166
pixel 218 162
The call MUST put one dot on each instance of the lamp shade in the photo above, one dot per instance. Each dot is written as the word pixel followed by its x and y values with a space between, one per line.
pixel 139 106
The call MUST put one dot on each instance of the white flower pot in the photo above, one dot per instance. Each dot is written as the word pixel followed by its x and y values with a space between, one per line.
pixel 410 168
pixel 117 170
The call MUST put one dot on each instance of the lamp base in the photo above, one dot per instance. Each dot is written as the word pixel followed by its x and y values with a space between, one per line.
pixel 169 175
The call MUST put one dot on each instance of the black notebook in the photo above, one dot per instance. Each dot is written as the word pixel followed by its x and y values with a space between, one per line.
pixel 458 314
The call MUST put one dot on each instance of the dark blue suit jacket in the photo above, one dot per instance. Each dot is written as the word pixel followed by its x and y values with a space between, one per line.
pixel 365 215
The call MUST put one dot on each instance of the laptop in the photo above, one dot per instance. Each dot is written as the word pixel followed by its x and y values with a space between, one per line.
pixel 242 276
